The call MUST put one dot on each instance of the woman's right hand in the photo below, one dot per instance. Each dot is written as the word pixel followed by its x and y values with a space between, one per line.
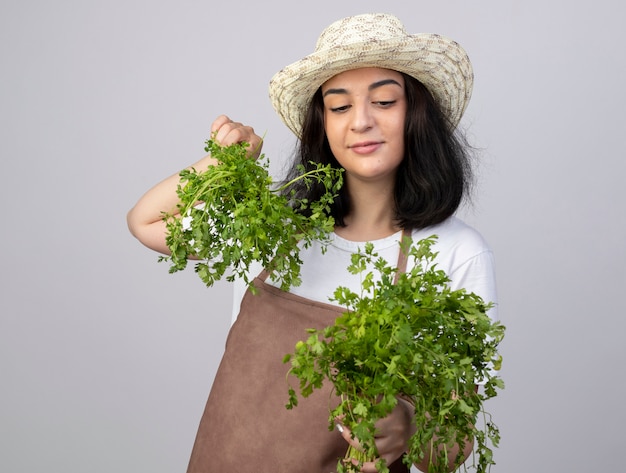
pixel 227 132
pixel 145 219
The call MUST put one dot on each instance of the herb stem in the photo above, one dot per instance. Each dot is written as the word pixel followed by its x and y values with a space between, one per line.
pixel 312 172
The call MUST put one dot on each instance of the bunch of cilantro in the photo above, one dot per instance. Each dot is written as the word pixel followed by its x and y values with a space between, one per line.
pixel 233 214
pixel 413 338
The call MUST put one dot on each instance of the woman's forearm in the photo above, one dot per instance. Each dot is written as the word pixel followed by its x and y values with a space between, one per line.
pixel 145 219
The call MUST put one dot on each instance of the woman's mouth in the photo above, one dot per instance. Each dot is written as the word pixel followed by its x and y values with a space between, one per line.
pixel 365 147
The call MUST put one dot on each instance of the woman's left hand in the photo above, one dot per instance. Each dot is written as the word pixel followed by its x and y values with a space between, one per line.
pixel 393 434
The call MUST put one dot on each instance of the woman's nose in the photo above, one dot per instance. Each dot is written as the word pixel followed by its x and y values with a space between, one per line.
pixel 362 119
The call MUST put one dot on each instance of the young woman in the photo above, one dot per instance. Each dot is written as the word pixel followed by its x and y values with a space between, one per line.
pixel 384 106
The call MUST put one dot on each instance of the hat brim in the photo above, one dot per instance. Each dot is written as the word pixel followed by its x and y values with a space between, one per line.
pixel 436 61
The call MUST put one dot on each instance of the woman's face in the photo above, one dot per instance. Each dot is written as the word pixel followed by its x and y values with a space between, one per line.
pixel 364 114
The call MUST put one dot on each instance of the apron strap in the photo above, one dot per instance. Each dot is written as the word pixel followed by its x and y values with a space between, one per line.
pixel 263 275
pixel 402 257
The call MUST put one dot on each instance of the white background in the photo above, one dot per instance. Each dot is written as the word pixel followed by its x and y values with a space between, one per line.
pixel 106 359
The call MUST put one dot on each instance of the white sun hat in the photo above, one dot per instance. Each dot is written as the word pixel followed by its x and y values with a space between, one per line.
pixel 375 40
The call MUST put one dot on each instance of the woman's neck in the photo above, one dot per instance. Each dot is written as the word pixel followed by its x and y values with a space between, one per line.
pixel 372 214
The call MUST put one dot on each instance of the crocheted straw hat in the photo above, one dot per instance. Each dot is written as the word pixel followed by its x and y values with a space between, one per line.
pixel 375 40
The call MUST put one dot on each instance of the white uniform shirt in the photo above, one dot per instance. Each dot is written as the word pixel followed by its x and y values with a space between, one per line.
pixel 462 253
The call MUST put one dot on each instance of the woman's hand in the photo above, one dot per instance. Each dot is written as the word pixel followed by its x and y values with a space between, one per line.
pixel 393 434
pixel 227 132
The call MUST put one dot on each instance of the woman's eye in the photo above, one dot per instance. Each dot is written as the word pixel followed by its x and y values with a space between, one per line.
pixel 385 103
pixel 342 108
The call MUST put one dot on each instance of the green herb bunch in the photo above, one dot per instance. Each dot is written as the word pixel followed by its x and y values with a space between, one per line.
pixel 413 338
pixel 232 214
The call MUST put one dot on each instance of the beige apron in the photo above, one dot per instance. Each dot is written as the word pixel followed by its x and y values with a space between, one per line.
pixel 245 427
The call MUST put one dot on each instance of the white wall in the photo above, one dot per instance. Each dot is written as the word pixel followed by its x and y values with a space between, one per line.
pixel 106 359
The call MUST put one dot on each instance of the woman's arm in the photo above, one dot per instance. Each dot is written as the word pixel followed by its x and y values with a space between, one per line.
pixel 145 219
